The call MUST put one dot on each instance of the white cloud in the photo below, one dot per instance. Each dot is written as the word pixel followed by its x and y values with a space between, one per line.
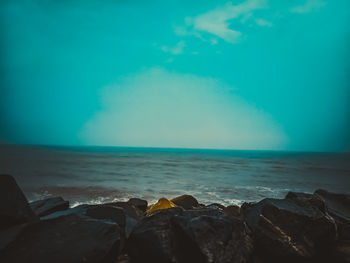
pixel 157 108
pixel 217 22
pixel 176 50
pixel 262 22
pixel 309 6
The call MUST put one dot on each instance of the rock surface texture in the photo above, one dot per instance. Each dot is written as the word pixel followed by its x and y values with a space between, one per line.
pixel 302 227
pixel 48 206
pixel 14 207
pixel 64 239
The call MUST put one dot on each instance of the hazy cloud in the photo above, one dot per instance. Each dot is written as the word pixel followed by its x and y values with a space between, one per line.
pixel 162 109
pixel 217 22
pixel 176 50
pixel 262 22
pixel 309 6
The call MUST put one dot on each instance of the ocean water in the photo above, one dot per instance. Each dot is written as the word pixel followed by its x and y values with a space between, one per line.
pixel 104 174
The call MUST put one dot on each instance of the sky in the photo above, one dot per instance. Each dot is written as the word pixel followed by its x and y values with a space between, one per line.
pixel 251 74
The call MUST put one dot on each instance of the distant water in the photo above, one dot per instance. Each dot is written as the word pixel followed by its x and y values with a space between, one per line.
pixel 103 174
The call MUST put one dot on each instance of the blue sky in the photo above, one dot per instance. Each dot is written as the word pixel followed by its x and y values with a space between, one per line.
pixel 248 74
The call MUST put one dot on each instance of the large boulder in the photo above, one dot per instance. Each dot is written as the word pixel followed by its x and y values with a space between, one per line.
pixel 49 206
pixel 185 201
pixel 291 230
pixel 139 203
pixel 14 207
pixel 338 206
pixel 232 211
pixel 104 212
pixel 152 239
pixel 129 208
pixel 177 235
pixel 302 198
pixel 68 238
pixel 219 238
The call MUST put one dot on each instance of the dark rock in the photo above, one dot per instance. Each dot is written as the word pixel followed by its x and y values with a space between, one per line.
pixel 14 207
pixel 216 206
pixel 290 231
pixel 219 239
pixel 338 205
pixel 139 203
pixel 342 252
pixel 312 199
pixel 49 206
pixel 345 232
pixel 201 235
pixel 8 235
pixel 64 239
pixel 105 212
pixel 130 209
pixel 246 206
pixel 185 201
pixel 232 211
pixel 152 240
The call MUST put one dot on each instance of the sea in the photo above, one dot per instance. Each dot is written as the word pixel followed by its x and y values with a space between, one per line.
pixel 229 177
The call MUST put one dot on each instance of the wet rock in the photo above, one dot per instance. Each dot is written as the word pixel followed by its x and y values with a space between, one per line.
pixel 139 203
pixel 64 239
pixel 185 201
pixel 176 235
pixel 14 207
pixel 49 206
pixel 216 206
pixel 290 231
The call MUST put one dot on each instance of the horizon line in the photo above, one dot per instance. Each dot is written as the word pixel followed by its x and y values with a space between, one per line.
pixel 167 148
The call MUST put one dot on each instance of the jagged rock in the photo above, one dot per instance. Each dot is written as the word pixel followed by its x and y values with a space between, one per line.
pixel 67 238
pixel 14 207
pixel 232 211
pixel 139 203
pixel 290 231
pixel 246 206
pixel 312 199
pixel 185 201
pixel 49 206
pixel 338 205
pixel 162 203
pixel 176 235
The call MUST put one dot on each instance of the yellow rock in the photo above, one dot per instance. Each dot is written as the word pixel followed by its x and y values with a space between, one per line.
pixel 162 203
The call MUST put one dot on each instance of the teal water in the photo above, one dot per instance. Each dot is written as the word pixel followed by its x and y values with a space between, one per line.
pixel 98 174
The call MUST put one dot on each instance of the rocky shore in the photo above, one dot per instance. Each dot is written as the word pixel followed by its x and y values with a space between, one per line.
pixel 299 228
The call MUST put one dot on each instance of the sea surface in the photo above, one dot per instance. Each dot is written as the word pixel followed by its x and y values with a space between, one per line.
pixel 104 174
